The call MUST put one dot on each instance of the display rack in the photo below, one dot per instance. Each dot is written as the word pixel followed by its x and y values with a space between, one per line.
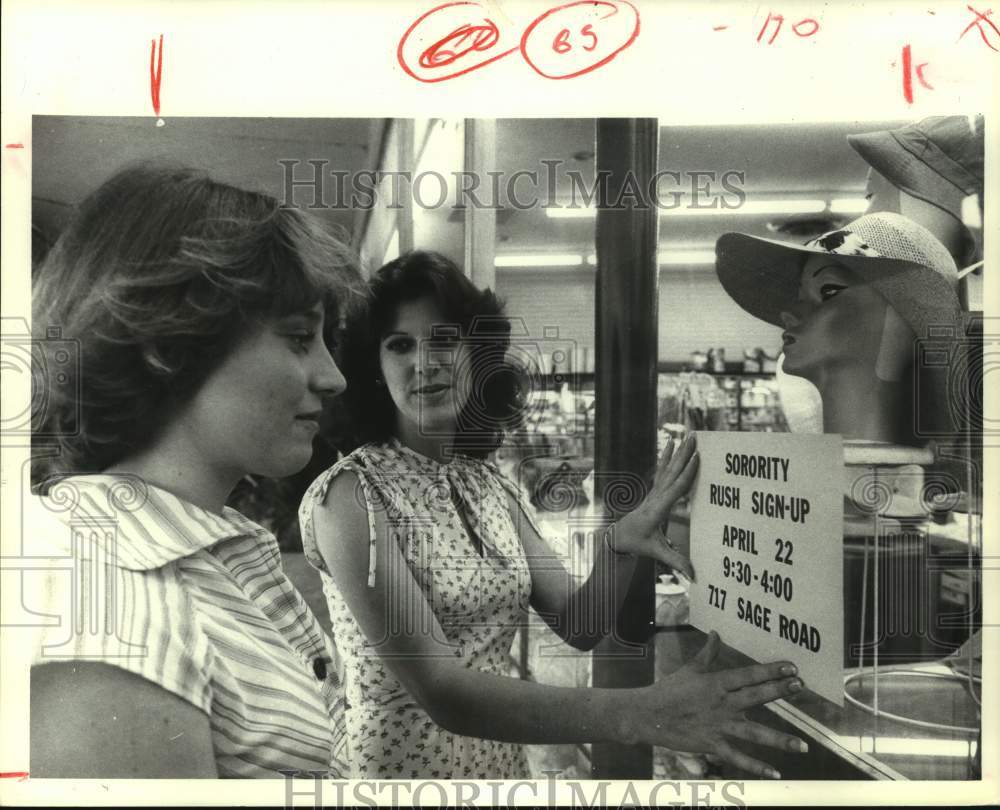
pixel 751 399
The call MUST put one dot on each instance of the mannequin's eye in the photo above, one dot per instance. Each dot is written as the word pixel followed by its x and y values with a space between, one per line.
pixel 828 291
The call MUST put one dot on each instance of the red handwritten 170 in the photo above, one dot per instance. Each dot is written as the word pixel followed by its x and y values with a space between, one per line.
pixel 805 27
pixel 566 41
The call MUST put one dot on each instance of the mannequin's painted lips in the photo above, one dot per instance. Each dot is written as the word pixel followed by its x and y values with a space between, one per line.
pixel 430 390
pixel 787 339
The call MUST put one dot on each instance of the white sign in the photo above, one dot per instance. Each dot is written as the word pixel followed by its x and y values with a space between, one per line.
pixel 767 548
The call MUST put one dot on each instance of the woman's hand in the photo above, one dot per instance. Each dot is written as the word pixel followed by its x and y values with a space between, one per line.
pixel 696 710
pixel 643 531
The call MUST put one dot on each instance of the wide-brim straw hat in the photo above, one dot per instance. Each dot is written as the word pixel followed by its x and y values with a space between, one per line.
pixel 902 260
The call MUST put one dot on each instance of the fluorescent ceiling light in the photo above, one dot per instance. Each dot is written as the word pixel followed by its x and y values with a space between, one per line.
pixel 849 205
pixel 580 212
pixel 686 257
pixel 539 260
pixel 752 208
pixel 675 256
pixel 748 208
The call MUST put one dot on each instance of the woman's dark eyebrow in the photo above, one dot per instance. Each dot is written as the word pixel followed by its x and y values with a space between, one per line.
pixel 395 333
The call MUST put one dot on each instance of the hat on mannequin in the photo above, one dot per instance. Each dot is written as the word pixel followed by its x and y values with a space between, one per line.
pixel 902 263
pixel 938 160
pixel 902 260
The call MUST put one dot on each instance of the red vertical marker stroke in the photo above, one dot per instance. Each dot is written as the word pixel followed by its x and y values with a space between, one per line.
pixel 907 75
pixel 155 73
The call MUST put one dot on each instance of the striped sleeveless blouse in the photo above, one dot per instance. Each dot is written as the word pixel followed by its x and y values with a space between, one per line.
pixel 198 604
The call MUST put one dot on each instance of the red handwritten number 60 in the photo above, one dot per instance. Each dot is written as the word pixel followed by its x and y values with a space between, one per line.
pixel 561 43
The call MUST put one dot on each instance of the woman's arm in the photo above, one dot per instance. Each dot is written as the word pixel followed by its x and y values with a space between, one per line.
pixel 690 710
pixel 580 616
pixel 583 616
pixel 91 720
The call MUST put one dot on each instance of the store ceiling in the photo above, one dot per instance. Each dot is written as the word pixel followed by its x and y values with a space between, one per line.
pixel 72 155
pixel 787 161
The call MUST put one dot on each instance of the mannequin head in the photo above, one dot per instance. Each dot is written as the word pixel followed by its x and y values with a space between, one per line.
pixel 882 195
pixel 924 171
pixel 836 322
pixel 853 304
pixel 846 339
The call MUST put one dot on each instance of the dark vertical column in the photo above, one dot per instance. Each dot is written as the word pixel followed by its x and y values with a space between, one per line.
pixel 625 389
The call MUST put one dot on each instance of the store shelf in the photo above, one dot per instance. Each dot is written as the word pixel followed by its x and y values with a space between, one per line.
pixel 740 400
pixel 732 370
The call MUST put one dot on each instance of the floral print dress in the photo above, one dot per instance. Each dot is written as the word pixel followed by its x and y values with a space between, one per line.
pixel 459 539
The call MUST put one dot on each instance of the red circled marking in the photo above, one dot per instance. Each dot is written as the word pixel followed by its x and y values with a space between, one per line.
pixel 614 9
pixel 482 38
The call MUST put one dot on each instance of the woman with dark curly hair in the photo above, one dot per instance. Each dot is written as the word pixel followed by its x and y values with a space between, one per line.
pixel 430 559
pixel 199 313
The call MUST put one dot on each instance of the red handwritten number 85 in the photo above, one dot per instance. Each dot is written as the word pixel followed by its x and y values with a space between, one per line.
pixel 566 41
pixel 561 44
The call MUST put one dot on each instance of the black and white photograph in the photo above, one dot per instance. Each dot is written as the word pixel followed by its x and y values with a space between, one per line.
pixel 586 454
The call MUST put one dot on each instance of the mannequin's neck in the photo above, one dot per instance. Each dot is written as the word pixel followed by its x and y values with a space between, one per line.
pixel 860 406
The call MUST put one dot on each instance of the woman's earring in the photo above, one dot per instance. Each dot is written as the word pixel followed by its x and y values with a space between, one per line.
pixel 379 381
